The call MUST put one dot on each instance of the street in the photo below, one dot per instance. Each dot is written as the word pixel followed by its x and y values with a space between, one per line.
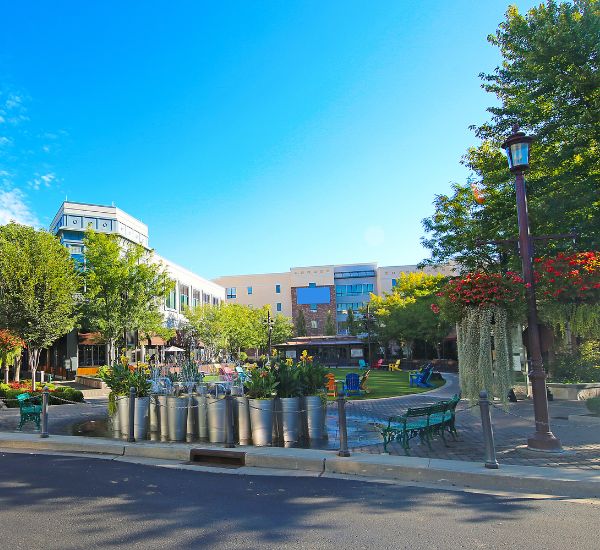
pixel 69 502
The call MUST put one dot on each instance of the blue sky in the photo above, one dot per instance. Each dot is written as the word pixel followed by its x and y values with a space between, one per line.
pixel 249 136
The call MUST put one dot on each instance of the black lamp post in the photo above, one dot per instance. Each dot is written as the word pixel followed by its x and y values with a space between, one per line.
pixel 517 152
pixel 269 322
pixel 368 328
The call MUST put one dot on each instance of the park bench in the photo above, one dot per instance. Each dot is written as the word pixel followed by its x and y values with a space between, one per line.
pixel 30 409
pixel 422 422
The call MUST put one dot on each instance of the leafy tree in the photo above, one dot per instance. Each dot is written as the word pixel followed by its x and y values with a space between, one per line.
pixel 549 83
pixel 300 324
pixel 405 314
pixel 330 329
pixel 38 287
pixel 11 347
pixel 206 321
pixel 124 288
pixel 352 323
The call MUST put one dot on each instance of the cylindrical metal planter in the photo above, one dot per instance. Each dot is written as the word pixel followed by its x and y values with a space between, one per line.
pixel 140 423
pixel 277 422
pixel 216 409
pixel 154 413
pixel 114 422
pixel 261 420
pixel 191 418
pixel 242 420
pixel 201 418
pixel 123 413
pixel 164 417
pixel 290 417
pixel 177 417
pixel 314 416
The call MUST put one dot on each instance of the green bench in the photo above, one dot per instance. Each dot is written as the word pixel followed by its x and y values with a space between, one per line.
pixel 422 422
pixel 30 409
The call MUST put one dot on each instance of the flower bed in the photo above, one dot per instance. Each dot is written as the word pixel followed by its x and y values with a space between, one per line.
pixel 10 391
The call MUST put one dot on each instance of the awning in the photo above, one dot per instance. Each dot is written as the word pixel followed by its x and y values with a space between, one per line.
pixel 90 339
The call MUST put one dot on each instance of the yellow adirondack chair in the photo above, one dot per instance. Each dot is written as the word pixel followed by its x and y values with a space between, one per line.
pixel 395 366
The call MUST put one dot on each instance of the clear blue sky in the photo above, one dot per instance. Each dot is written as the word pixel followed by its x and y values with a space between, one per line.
pixel 249 136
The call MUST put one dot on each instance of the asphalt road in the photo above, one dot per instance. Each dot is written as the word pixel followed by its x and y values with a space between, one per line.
pixel 65 502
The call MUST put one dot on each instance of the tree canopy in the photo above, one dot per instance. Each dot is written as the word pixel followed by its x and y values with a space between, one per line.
pixel 125 288
pixel 549 83
pixel 38 288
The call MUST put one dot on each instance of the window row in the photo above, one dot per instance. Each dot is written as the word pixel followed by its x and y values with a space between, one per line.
pixel 353 274
pixel 355 306
pixel 352 290
pixel 198 298
pixel 231 292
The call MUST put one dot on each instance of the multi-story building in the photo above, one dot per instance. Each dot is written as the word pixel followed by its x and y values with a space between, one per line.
pixel 317 291
pixel 69 225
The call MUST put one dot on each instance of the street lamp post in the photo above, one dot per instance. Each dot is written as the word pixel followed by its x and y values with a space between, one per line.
pixel 517 152
pixel 269 321
pixel 368 327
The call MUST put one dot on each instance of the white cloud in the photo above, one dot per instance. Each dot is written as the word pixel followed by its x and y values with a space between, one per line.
pixel 44 180
pixel 14 208
pixel 374 235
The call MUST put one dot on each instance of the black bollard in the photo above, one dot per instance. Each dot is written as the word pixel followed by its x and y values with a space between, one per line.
pixel 45 396
pixel 341 401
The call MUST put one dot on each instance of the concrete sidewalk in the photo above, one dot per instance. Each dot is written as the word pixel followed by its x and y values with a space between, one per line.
pixel 539 480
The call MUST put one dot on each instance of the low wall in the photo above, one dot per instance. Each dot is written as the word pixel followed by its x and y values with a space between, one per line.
pixel 574 392
pixel 91 382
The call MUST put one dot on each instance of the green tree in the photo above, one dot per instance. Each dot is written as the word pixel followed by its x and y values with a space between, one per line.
pixel 549 83
pixel 300 324
pixel 11 347
pixel 206 321
pixel 352 324
pixel 38 288
pixel 125 288
pixel 330 325
pixel 405 315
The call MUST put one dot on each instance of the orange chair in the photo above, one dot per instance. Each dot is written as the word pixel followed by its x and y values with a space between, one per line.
pixel 331 384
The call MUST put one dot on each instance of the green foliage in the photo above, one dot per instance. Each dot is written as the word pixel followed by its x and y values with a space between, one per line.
pixel 352 324
pixel 125 287
pixel 578 365
pixel 549 83
pixel 38 287
pixel 300 324
pixel 593 405
pixel 56 396
pixel 262 384
pixel 116 378
pixel 330 329
pixel 288 377
pixel 312 375
pixel 405 314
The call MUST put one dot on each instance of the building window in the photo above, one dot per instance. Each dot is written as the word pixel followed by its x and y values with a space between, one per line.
pixel 171 301
pixel 215 301
pixel 394 281
pixel 313 307
pixel 314 324
pixel 75 249
pixel 196 298
pixel 278 289
pixel 312 284
pixel 231 293
pixel 184 297
pixel 278 306
pixel 369 287
pixel 249 291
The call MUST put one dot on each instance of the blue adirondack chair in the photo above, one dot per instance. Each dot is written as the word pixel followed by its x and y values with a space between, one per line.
pixel 352 384
pixel 362 364
pixel 421 378
pixel 243 376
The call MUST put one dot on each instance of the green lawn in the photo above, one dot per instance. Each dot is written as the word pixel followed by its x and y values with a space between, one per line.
pixel 383 383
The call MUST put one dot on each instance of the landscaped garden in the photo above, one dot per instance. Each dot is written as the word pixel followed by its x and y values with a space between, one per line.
pixel 59 395
pixel 383 383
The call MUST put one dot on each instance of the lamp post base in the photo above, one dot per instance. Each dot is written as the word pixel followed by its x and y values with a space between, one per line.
pixel 545 442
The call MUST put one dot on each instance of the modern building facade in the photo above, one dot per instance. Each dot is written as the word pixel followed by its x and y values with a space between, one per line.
pixel 69 225
pixel 317 291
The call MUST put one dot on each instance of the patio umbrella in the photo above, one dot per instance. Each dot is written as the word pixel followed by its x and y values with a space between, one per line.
pixel 173 349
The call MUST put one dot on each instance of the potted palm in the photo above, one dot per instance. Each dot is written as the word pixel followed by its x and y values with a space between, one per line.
pixel 261 388
pixel 312 379
pixel 289 390
pixel 117 379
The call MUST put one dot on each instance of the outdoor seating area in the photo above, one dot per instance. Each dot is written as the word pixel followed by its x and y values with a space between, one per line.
pixel 422 422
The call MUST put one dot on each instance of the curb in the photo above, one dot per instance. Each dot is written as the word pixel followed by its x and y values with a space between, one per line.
pixel 530 479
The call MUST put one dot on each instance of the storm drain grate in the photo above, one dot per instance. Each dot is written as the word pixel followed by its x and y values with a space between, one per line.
pixel 218 457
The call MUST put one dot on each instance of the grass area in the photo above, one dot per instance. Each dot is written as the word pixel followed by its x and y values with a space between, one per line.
pixel 383 383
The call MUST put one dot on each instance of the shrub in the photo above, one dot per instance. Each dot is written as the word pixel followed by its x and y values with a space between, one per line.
pixel 593 405
pixel 581 365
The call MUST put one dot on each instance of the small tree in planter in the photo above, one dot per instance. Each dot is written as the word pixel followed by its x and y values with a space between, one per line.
pixel 117 379
pixel 312 378
pixel 261 390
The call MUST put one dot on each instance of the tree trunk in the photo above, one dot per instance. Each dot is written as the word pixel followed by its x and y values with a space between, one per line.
pixel 34 358
pixel 17 369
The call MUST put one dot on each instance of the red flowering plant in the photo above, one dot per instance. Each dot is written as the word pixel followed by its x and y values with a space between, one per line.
pixel 481 290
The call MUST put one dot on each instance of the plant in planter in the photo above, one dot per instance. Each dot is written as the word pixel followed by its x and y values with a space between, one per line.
pixel 312 379
pixel 117 379
pixel 289 391
pixel 261 388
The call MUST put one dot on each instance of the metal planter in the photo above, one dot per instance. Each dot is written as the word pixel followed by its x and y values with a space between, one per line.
pixel 123 414
pixel 277 431
pixel 177 409
pixel 114 422
pixel 163 424
pixel 241 410
pixel 154 414
pixel 217 412
pixel 202 418
pixel 261 420
pixel 140 423
pixel 315 413
pixel 290 417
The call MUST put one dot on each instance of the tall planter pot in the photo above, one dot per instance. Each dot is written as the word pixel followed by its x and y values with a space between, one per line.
pixel 202 418
pixel 154 414
pixel 315 413
pixel 163 417
pixel 123 414
pixel 277 431
pixel 290 420
pixel 217 412
pixel 242 420
pixel 114 422
pixel 140 422
pixel 261 421
pixel 177 417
